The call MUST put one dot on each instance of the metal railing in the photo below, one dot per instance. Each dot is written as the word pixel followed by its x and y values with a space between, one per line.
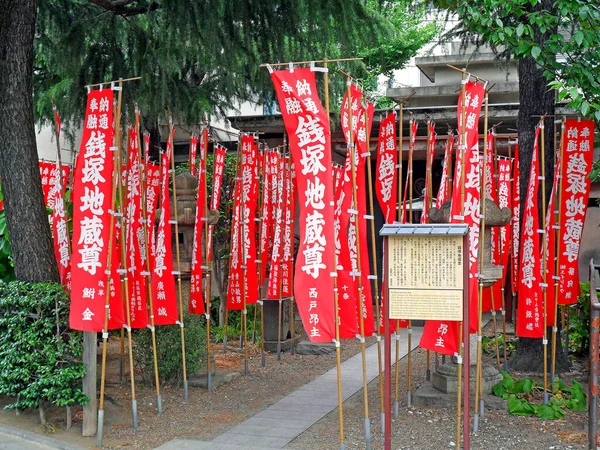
pixel 594 356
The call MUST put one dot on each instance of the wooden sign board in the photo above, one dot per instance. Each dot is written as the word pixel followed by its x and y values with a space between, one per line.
pixel 425 275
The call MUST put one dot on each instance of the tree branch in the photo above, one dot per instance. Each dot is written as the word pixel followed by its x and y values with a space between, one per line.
pixel 125 8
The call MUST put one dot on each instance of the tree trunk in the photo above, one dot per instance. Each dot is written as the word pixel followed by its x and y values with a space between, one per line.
pixel 535 99
pixel 26 216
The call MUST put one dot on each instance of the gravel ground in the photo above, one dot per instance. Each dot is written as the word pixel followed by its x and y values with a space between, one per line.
pixel 204 416
pixel 426 427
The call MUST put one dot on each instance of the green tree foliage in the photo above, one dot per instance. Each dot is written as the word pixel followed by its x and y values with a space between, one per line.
pixel 40 358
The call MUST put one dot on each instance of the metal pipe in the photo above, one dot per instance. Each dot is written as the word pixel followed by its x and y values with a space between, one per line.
pixel 594 359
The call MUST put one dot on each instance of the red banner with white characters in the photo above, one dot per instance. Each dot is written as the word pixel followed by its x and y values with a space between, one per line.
pixel 530 320
pixel 193 153
pixel 136 240
pixel 116 310
pixel 492 295
pixel 163 282
pixel 196 305
pixel 515 223
pixel 220 154
pixel 152 194
pixel 504 201
pixel 468 214
pixel 50 183
pixel 287 260
pixel 308 129
pixel 443 193
pixel 91 216
pixel 60 230
pixel 413 125
pixel 549 247
pixel 575 193
pixel 427 195
pixel 242 285
pixel 274 286
pixel 266 211
pixel 385 175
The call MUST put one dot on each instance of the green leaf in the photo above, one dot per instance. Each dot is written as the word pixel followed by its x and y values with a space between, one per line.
pixel 550 412
pixel 536 52
pixel 585 108
pixel 520 29
pixel 520 407
pixel 578 36
pixel 523 386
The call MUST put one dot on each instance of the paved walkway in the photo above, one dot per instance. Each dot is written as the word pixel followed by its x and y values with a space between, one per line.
pixel 281 423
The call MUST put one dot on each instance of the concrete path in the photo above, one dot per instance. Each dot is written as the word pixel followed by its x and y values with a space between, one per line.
pixel 281 423
pixel 12 438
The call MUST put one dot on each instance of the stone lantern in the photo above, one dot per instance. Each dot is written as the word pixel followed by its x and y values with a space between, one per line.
pixel 186 185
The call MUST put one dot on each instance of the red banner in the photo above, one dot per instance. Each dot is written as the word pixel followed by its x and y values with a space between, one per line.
pixel 196 305
pixel 91 215
pixel 504 201
pixel 193 153
pixel 443 193
pixel 242 285
pixel 427 195
pixel 575 193
pixel 274 286
pixel 136 241
pixel 309 131
pixel 163 282
pixel 50 183
pixel 266 211
pixel 515 223
pixel 215 199
pixel 468 214
pixel 287 260
pixel 60 230
pixel 385 175
pixel 549 247
pixel 530 321
pixel 152 193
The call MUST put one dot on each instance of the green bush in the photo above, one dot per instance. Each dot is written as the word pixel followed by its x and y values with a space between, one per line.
pixel 40 358
pixel 168 343
pixel 579 323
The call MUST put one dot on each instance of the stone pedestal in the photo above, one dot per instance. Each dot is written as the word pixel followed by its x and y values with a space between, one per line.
pixel 445 378
pixel 271 309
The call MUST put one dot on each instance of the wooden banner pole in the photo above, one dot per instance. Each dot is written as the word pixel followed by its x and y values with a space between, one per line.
pixel 113 201
pixel 244 273
pixel 338 356
pixel 361 321
pixel 178 262
pixel 375 271
pixel 495 181
pixel 148 274
pixel 292 199
pixel 125 288
pixel 544 255
pixel 411 139
pixel 281 194
pixel 401 219
pixel 208 230
pixel 557 214
pixel 479 407
pixel 261 281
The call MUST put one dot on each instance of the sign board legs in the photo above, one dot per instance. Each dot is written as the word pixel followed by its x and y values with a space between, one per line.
pixel 90 411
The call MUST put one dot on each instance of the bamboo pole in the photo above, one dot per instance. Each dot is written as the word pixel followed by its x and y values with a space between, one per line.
pixel 292 199
pixel 479 406
pixel 178 262
pixel 544 255
pixel 148 275
pixel 498 242
pixel 428 199
pixel 375 271
pixel 281 195
pixel 361 321
pixel 557 214
pixel 261 282
pixel 400 220
pixel 338 357
pixel 113 201
pixel 125 285
pixel 462 148
pixel 508 240
pixel 244 274
pixel 410 215
pixel 325 61
pixel 208 289
pixel 120 81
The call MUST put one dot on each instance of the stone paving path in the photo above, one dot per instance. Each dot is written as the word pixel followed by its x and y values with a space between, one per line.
pixel 281 423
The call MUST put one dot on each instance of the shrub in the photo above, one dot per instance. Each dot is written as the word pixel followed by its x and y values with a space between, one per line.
pixel 168 344
pixel 40 358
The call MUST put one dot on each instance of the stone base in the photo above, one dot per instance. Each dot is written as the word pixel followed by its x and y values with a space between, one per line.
pixel 217 380
pixel 271 346
pixel 427 395
pixel 314 348
pixel 445 379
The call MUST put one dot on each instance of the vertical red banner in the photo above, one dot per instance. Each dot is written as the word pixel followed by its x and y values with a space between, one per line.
pixel 193 153
pixel 515 223
pixel 578 157
pixel 220 154
pixel 309 131
pixel 60 230
pixel 287 262
pixel 91 214
pixel 274 285
pixel 163 282
pixel 196 305
pixel 385 175
pixel 443 193
pixel 530 321
pixel 136 241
